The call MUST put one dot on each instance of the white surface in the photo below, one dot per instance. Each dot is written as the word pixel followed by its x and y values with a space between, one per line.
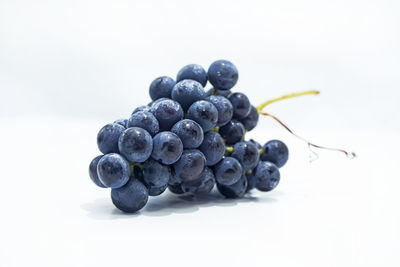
pixel 69 67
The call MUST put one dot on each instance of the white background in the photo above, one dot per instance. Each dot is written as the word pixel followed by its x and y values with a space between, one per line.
pixel 69 67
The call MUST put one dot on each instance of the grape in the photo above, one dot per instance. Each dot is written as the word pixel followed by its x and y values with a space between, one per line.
pixel 203 185
pixel 213 91
pixel 175 188
pixel 141 108
pixel 135 144
pixel 190 133
pixel 193 72
pixel 257 144
pixel 188 140
pixel 232 132
pixel 222 74
pixel 113 170
pixel 204 113
pixel 267 176
pixel 155 176
pixel 241 105
pixel 131 197
pixel 251 181
pixel 247 154
pixel 167 112
pixel 251 120
pixel 107 138
pixel 122 122
pixel 275 151
pixel 187 92
pixel 161 87
pixel 190 165
pixel 144 120
pixel 213 148
pixel 228 171
pixel 167 148
pixel 224 107
pixel 93 171
pixel 236 190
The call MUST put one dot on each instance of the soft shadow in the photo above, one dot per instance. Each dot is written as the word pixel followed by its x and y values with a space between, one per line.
pixel 167 204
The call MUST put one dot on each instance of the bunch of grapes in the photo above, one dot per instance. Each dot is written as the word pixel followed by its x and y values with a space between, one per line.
pixel 187 140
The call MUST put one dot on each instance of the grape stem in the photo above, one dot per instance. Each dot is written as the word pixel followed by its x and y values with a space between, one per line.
pixel 263 105
pixel 229 149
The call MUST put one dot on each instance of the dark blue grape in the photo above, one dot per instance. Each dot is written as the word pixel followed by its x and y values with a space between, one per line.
pixel 251 120
pixel 113 170
pixel 236 190
pixel 144 120
pixel 224 107
pixel 131 197
pixel 257 144
pixel 193 72
pixel 190 165
pixel 222 74
pixel 275 151
pixel 213 148
pixel 204 113
pixel 247 154
pixel 187 92
pixel 251 181
pixel 224 93
pixel 122 122
pixel 156 176
pixel 176 189
pixel 107 138
pixel 141 108
pixel 241 105
pixel 167 112
pixel 190 133
pixel 135 144
pixel 203 185
pixel 93 171
pixel 232 132
pixel 167 148
pixel 161 87
pixel 267 176
pixel 228 171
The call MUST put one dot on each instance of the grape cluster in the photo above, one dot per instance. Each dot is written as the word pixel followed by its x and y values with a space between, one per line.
pixel 187 140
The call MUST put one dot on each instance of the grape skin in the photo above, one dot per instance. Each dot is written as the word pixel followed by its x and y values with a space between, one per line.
pixel 190 166
pixel 155 177
pixel 135 144
pixel 190 133
pixel 113 170
pixel 224 108
pixel 232 132
pixel 93 172
pixel 222 74
pixel 267 176
pixel 228 171
pixel 131 197
pixel 107 138
pixel 193 72
pixel 144 120
pixel 213 148
pixel 161 87
pixel 247 154
pixel 204 113
pixel 275 151
pixel 167 112
pixel 167 148
pixel 236 190
pixel 187 92
pixel 241 105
